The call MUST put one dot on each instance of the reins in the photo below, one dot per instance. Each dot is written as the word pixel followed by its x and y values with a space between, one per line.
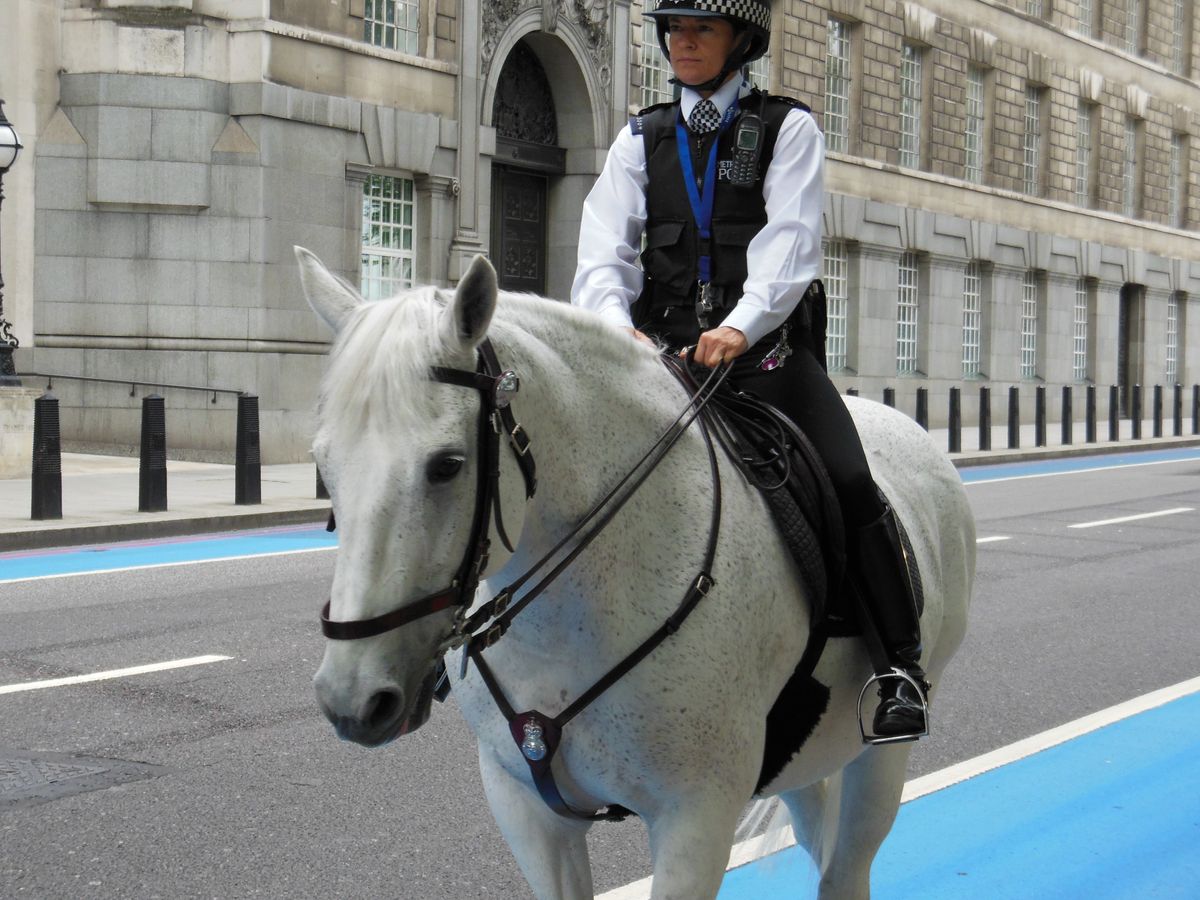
pixel 536 733
pixel 497 614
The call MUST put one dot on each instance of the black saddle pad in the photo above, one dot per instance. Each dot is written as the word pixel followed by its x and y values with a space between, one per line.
pixel 782 463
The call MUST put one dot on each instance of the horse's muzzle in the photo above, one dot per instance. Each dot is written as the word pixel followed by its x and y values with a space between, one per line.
pixel 383 717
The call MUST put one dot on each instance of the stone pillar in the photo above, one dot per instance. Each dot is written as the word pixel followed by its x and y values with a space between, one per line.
pixel 1005 362
pixel 436 195
pixel 16 431
pixel 876 312
pixel 943 350
pixel 1057 342
pixel 467 243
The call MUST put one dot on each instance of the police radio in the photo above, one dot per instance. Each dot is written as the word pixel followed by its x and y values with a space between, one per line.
pixel 747 149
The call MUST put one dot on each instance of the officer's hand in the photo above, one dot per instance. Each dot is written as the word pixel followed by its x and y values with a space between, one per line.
pixel 721 345
pixel 639 335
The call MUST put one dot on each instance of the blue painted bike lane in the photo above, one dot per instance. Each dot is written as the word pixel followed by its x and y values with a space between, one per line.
pixel 22 565
pixel 1111 815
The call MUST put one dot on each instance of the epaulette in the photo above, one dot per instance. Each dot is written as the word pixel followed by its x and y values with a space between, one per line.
pixel 636 123
pixel 791 101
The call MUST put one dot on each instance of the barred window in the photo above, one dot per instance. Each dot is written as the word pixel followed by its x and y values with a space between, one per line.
pixel 907 305
pixel 1087 17
pixel 1129 169
pixel 1033 140
pixel 910 107
pixel 972 322
pixel 1083 155
pixel 392 24
pixel 389 235
pixel 1133 26
pixel 760 72
pixel 1172 367
pixel 1180 42
pixel 1029 324
pixel 1082 315
pixel 837 87
pixel 837 295
pixel 1035 8
pixel 973 168
pixel 1177 189
pixel 656 70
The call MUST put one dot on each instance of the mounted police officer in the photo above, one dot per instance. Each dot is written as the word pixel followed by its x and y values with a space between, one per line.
pixel 726 187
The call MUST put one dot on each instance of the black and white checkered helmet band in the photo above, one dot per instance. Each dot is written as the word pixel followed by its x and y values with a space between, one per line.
pixel 752 12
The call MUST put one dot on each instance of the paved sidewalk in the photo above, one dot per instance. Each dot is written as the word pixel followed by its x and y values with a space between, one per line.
pixel 100 493
pixel 100 500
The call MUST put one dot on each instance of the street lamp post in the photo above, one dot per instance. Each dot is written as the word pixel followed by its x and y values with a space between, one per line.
pixel 10 149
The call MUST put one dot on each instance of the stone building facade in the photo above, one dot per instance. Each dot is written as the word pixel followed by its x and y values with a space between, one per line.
pixel 1012 192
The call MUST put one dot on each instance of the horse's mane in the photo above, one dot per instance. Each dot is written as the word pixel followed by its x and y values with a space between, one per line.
pixel 388 346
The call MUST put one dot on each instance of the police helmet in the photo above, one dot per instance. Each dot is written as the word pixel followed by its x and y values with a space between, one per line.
pixel 751 18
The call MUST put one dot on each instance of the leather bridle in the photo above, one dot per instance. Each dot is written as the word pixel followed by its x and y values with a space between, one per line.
pixel 536 733
pixel 496 388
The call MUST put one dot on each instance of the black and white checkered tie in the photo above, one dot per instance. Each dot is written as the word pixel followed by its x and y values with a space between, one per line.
pixel 704 117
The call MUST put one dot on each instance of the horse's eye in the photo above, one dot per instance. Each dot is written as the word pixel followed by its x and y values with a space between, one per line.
pixel 445 467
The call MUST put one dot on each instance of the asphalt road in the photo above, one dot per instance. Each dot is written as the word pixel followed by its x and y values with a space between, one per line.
pixel 232 785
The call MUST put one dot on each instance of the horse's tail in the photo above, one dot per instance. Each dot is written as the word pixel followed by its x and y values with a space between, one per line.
pixel 765 828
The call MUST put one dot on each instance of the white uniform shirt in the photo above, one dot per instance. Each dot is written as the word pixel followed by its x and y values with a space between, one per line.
pixel 783 259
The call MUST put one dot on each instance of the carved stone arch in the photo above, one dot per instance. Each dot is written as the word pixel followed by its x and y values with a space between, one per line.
pixel 568 63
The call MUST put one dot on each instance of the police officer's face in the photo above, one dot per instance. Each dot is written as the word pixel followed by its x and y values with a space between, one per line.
pixel 699 46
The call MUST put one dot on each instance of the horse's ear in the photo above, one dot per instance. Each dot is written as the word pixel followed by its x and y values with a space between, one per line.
pixel 329 296
pixel 474 302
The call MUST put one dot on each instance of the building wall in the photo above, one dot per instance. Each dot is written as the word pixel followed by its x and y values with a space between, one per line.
pixel 882 209
pixel 177 149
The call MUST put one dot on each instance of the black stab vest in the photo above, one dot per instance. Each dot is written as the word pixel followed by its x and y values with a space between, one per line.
pixel 671 258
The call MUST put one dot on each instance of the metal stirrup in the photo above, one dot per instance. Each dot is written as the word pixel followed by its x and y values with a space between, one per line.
pixel 893 738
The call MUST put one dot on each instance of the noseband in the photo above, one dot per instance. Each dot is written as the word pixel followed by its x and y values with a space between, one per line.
pixel 496 389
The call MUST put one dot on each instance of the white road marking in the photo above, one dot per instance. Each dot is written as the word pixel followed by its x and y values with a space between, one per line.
pixel 1155 462
pixel 992 540
pixel 112 673
pixel 166 565
pixel 752 849
pixel 1150 515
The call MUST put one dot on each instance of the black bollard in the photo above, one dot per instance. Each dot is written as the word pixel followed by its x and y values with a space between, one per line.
pixel 923 407
pixel 46 487
pixel 1114 414
pixel 1014 418
pixel 1039 416
pixel 889 397
pixel 1196 409
pixel 1177 410
pixel 1091 414
pixel 322 491
pixel 1068 414
pixel 1136 414
pixel 955 436
pixel 1158 410
pixel 985 418
pixel 152 471
pixel 247 476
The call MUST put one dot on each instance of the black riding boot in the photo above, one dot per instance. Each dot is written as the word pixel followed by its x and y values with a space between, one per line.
pixel 888 593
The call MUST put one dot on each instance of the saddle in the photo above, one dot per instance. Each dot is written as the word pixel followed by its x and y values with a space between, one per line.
pixel 777 458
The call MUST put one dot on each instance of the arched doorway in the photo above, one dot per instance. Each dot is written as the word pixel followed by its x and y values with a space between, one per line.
pixel 527 156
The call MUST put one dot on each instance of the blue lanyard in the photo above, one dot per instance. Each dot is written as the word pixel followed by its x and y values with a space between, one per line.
pixel 702 203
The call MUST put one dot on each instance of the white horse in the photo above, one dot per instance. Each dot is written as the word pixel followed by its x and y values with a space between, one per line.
pixel 680 739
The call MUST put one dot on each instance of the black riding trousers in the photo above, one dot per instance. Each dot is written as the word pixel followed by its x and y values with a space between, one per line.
pixel 802 390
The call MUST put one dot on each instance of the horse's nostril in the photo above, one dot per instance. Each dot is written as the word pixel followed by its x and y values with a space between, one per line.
pixel 382 709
